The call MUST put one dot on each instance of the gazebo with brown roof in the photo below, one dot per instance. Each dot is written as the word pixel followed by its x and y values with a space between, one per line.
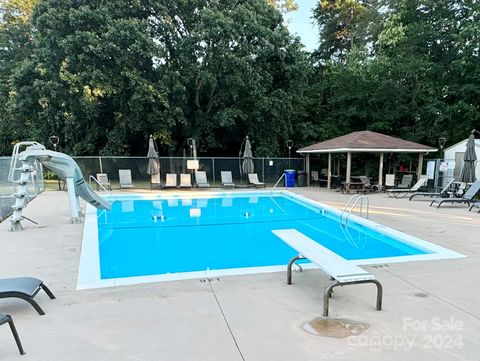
pixel 364 142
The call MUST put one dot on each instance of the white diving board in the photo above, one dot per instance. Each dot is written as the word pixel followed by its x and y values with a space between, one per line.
pixel 343 271
pixel 329 262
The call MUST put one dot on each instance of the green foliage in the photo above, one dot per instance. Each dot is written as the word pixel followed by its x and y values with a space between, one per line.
pixel 104 74
pixel 417 76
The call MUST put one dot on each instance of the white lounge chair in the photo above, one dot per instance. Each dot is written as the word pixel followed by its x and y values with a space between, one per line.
pixel 171 180
pixel 389 181
pixel 253 179
pixel 406 181
pixel 315 177
pixel 185 181
pixel 155 181
pixel 227 181
pixel 201 179
pixel 102 178
pixel 342 271
pixel 400 192
pixel 125 178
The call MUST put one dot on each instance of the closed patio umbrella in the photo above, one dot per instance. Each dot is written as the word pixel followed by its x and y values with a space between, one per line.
pixel 247 164
pixel 153 161
pixel 469 160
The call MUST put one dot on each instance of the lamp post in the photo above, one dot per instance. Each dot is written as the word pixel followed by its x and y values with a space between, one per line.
pixel 289 144
pixel 193 147
pixel 441 143
pixel 55 140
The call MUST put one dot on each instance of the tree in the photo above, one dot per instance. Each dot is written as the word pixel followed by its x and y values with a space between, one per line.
pixel 345 24
pixel 104 74
pixel 15 45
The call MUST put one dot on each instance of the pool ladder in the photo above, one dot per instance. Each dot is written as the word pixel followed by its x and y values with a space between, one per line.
pixel 278 181
pixel 350 206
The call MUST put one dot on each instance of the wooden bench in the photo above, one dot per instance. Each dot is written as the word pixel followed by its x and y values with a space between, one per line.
pixel 342 271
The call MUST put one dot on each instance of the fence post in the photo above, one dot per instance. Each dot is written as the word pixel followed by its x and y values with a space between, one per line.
pixel 100 163
pixel 213 170
pixel 263 170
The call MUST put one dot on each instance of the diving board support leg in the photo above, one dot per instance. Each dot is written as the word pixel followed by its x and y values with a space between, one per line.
pixel 289 268
pixel 74 216
pixel 329 289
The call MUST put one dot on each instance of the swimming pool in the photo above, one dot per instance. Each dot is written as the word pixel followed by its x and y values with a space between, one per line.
pixel 148 238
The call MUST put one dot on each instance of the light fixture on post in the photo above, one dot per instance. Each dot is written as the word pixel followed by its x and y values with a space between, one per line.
pixel 441 144
pixel 193 147
pixel 289 144
pixel 55 140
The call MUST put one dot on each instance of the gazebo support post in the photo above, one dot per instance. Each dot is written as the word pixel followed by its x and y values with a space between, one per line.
pixel 349 167
pixel 420 165
pixel 307 169
pixel 329 171
pixel 380 171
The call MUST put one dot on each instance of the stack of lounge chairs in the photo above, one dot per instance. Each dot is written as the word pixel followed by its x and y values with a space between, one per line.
pixel 467 198
pixel 442 194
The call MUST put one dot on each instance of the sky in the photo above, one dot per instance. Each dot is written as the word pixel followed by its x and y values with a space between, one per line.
pixel 301 24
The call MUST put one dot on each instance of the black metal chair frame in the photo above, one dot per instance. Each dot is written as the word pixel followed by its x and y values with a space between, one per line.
pixel 8 319
pixel 29 298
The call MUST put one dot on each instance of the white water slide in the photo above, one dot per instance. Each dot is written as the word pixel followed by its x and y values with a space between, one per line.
pixel 63 166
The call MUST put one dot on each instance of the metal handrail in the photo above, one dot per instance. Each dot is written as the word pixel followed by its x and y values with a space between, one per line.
pixel 352 199
pixel 98 183
pixel 350 206
pixel 278 181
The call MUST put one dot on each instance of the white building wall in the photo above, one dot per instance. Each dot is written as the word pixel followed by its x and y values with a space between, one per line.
pixel 456 151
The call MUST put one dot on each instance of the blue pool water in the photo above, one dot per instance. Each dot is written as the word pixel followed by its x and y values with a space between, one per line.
pixel 142 237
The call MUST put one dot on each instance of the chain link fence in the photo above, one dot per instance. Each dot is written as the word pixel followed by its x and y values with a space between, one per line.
pixel 269 170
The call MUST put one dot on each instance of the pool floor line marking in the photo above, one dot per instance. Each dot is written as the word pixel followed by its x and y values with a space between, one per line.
pixel 225 319
pixel 212 224
pixel 430 293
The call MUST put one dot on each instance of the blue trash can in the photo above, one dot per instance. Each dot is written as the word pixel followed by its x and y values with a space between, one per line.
pixel 289 177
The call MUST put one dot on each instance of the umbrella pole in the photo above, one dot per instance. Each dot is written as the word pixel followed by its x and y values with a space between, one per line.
pixel 240 160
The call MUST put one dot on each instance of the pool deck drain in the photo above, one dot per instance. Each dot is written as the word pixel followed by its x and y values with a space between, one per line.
pixel 182 321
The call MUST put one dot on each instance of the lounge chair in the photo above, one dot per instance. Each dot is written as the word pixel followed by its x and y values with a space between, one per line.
pixel 155 181
pixel 406 181
pixel 253 179
pixel 475 204
pixel 185 180
pixel 8 319
pixel 467 198
pixel 171 180
pixel 459 191
pixel 102 178
pixel 201 179
pixel 343 272
pixel 315 177
pixel 25 288
pixel 400 192
pixel 227 181
pixel 125 178
pixel 443 193
pixel 389 181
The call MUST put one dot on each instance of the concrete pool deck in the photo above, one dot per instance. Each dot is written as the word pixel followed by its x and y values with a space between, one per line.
pixel 430 308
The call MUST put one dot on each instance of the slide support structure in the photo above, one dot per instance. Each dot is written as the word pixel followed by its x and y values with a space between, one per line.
pixel 74 206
